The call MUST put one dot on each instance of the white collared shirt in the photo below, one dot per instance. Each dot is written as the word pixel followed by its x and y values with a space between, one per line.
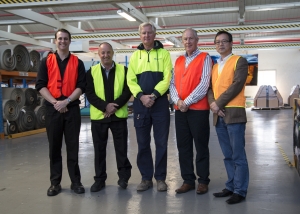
pixel 107 71
pixel 221 62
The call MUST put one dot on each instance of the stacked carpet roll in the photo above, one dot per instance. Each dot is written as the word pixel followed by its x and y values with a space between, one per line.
pixel 17 57
pixel 23 110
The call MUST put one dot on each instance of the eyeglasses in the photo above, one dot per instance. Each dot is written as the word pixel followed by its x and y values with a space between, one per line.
pixel 223 42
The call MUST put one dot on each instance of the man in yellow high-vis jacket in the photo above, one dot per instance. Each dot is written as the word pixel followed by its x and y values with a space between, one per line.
pixel 108 94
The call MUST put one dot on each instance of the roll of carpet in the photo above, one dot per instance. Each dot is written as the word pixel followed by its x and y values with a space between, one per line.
pixel 18 95
pixel 40 114
pixel 10 110
pixel 35 60
pixel 10 127
pixel 31 98
pixel 26 120
pixel 8 60
pixel 22 56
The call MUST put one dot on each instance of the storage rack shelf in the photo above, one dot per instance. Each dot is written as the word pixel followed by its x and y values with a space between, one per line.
pixel 11 77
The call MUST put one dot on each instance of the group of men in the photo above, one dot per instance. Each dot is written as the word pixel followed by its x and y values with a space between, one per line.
pixel 196 87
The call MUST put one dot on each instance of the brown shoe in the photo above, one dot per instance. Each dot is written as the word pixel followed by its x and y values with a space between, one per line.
pixel 185 188
pixel 202 188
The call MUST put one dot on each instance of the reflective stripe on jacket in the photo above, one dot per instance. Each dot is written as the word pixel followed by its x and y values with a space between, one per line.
pixel 96 72
pixel 56 85
pixel 221 82
pixel 187 79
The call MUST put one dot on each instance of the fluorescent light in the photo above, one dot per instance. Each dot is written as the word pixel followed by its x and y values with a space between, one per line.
pixel 126 16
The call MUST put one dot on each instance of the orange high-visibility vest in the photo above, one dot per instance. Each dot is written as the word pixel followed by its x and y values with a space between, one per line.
pixel 187 79
pixel 58 86
pixel 221 82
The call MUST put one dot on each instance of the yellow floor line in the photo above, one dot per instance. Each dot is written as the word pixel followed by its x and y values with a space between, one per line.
pixel 285 157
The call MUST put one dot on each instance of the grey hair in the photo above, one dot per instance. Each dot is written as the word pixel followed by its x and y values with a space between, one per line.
pixel 191 29
pixel 147 24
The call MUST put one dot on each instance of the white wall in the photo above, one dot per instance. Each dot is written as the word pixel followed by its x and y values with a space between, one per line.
pixel 286 63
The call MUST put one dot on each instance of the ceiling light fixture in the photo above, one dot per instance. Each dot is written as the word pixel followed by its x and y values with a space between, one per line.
pixel 126 15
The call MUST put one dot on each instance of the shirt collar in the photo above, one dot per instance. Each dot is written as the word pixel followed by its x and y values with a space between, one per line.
pixel 224 60
pixel 112 66
pixel 196 52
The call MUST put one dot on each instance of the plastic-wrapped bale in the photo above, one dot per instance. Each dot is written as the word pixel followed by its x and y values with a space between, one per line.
pixel 22 56
pixel 40 113
pixel 26 120
pixel 10 127
pixel 35 60
pixel 10 110
pixel 31 98
pixel 8 60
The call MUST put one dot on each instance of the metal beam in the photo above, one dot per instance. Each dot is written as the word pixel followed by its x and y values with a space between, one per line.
pixel 25 39
pixel 170 13
pixel 43 3
pixel 201 31
pixel 28 14
pixel 241 19
pixel 127 7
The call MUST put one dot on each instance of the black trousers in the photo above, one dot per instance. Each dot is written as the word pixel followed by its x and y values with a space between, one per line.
pixel 193 125
pixel 120 135
pixel 67 125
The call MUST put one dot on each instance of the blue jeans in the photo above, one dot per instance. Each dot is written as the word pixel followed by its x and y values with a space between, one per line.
pixel 232 141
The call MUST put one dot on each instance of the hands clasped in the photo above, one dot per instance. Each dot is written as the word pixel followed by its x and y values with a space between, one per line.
pixel 215 109
pixel 147 100
pixel 111 108
pixel 61 106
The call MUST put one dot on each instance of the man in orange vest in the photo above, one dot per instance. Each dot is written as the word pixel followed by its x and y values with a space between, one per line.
pixel 61 80
pixel 227 102
pixel 188 90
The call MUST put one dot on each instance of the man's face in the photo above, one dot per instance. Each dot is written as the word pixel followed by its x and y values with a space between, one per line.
pixel 147 36
pixel 190 42
pixel 105 53
pixel 62 41
pixel 223 46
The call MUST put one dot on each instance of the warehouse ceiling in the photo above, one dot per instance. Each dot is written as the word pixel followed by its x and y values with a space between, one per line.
pixel 255 24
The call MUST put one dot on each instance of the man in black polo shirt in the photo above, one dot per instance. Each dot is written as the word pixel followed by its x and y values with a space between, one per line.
pixel 61 80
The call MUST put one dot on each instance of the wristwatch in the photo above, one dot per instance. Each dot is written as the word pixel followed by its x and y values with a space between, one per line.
pixel 153 96
pixel 69 100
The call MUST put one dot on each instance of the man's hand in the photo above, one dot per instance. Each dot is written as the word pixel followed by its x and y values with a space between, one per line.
pixel 64 110
pixel 215 109
pixel 182 106
pixel 61 105
pixel 111 108
pixel 147 100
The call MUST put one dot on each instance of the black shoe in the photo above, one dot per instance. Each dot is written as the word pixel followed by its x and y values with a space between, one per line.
pixel 224 193
pixel 54 190
pixel 78 188
pixel 123 183
pixel 97 186
pixel 235 198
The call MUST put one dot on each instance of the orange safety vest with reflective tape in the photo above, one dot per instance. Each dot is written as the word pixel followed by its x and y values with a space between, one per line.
pixel 56 85
pixel 187 79
pixel 222 81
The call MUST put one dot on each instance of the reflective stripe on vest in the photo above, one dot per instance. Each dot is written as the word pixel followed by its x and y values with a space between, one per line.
pixel 187 79
pixel 222 81
pixel 96 72
pixel 56 86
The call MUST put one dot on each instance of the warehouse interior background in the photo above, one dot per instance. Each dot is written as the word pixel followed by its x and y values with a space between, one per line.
pixel 268 28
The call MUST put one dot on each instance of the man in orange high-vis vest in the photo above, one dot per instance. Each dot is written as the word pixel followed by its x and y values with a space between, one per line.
pixel 61 80
pixel 188 90
pixel 227 102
